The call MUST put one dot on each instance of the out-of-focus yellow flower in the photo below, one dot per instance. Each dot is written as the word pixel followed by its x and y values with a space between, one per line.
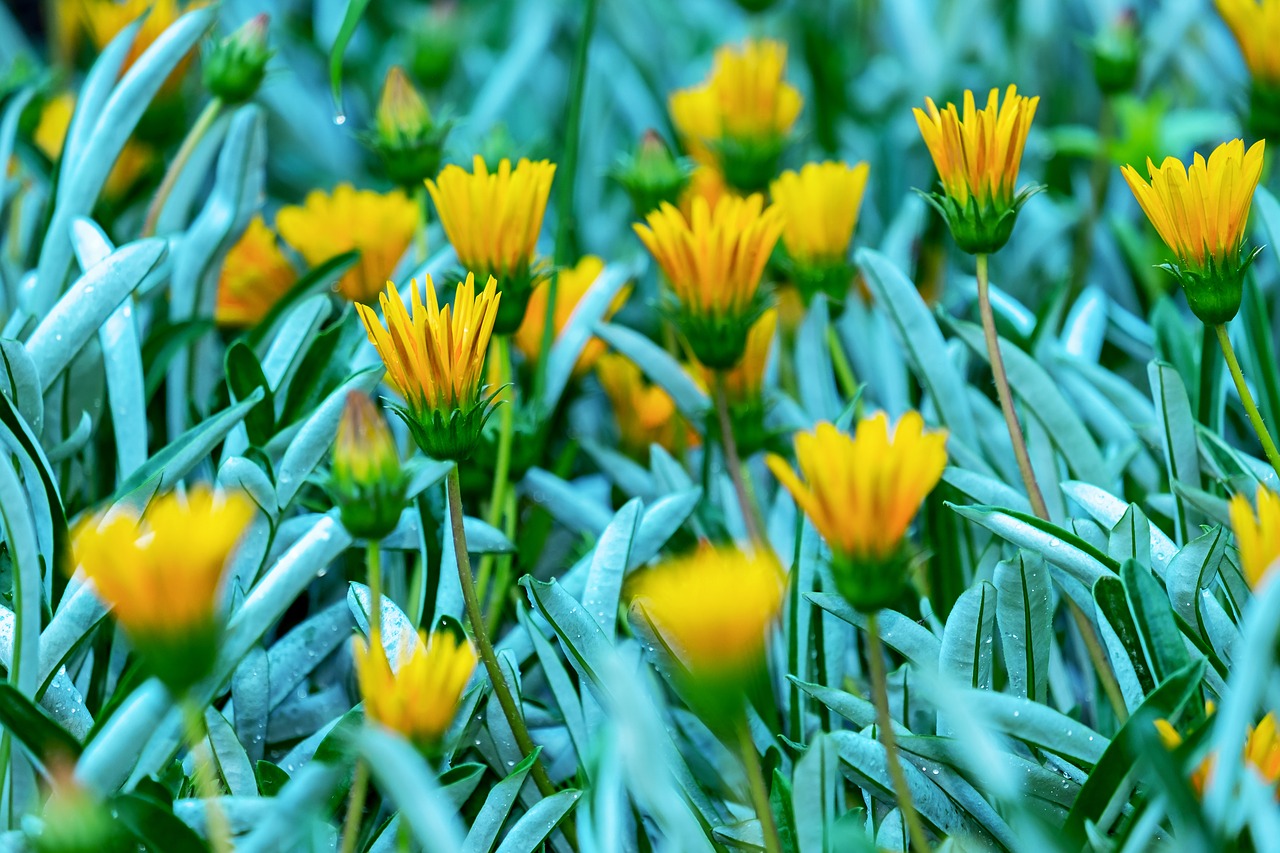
pixel 820 205
pixel 645 413
pixel 420 699
pixel 378 225
pixel 571 286
pixel 714 261
pixel 1261 752
pixel 104 19
pixel 255 276
pixel 705 183
pixel 435 360
pixel 162 574
pixel 1201 214
pixel 492 220
pixel 1257 535
pixel 51 132
pixel 366 482
pixel 1256 26
pixel 739 119
pixel 862 492
pixel 978 154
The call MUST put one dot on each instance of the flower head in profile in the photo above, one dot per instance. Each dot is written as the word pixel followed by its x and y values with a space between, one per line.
pixel 162 575
pixel 366 481
pixel 435 360
pixel 1200 213
pixel 1256 26
pixel 572 283
pixel 104 19
pixel 379 226
pixel 862 492
pixel 820 205
pixel 1257 533
pixel 645 413
pixel 978 153
pixel 492 220
pixel 714 260
pixel 135 160
pixel 255 276
pixel 405 136
pixel 740 119
pixel 418 697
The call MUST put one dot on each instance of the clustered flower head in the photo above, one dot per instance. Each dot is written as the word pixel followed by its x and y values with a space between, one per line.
pixel 162 573
pixel 366 481
pixel 418 697
pixel 1200 213
pixel 862 492
pixel 254 277
pixel 820 205
pixel 645 413
pixel 572 284
pixel 492 220
pixel 740 119
pixel 435 360
pixel 1257 534
pixel 977 153
pixel 1256 26
pixel 714 261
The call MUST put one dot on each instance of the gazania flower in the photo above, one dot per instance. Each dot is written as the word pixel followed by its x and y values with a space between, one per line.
pixel 162 574
pixel 1257 535
pixel 1261 752
pixel 645 413
pixel 1201 214
pixel 492 219
pixel 104 19
pixel 1256 26
pixel 405 136
pixel 705 183
pixel 820 205
pixel 862 492
pixel 51 132
pixel 571 285
pixel 367 482
pixel 435 360
pixel 420 698
pixel 714 261
pixel 255 276
pixel 740 119
pixel 379 226
pixel 977 154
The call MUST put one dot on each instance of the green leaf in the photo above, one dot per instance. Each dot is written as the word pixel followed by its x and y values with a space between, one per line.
pixel 1154 619
pixel 350 20
pixel 165 342
pixel 1178 431
pixel 1024 611
pixel 154 824
pixel 1061 548
pixel 271 778
pixel 317 280
pixel 661 368
pixel 967 639
pixel 244 377
pixel 48 742
pixel 497 806
pixel 1130 538
pixel 1113 609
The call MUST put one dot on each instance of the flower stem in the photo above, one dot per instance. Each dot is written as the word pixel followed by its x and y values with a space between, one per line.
pixel 1250 407
pixel 509 708
pixel 219 833
pixel 734 464
pixel 1002 392
pixel 502 467
pixel 840 361
pixel 197 132
pixel 355 807
pixel 880 693
pixel 759 791
pixel 373 570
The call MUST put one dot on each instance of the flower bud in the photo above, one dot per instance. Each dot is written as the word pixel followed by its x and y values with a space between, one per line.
pixel 235 66
pixel 405 137
pixel 366 481
pixel 74 821
pixel 434 48
pixel 1115 55
pixel 652 174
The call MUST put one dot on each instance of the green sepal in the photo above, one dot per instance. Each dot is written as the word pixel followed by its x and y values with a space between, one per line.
pixel 980 230
pixel 451 435
pixel 718 341
pixel 832 278
pixel 749 164
pixel 410 159
pixel 182 658
pixel 369 510
pixel 872 584
pixel 1214 292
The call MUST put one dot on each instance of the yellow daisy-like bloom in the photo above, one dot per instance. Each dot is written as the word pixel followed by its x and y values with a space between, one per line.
pixel 104 19
pixel 714 260
pixel 1200 213
pixel 492 220
pixel 420 699
pixel 378 225
pixel 978 154
pixel 862 492
pixel 255 275
pixel 435 360
pixel 571 286
pixel 1256 26
pixel 645 413
pixel 161 574
pixel 706 183
pixel 1261 752
pixel 1257 535
pixel 51 132
pixel 820 205
pixel 739 119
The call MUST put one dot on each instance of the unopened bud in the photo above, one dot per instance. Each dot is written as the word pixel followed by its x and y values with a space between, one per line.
pixel 235 66
pixel 366 482
pixel 405 136
pixel 652 174
pixel 1115 53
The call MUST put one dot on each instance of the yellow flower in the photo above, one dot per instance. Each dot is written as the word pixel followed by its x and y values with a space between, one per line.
pixel 820 205
pixel 492 220
pixel 104 19
pixel 378 225
pixel 1256 25
pixel 862 493
pixel 706 183
pixel 162 575
pixel 1201 214
pixel 367 482
pixel 744 384
pixel 51 132
pixel 571 286
pixel 1261 751
pixel 713 608
pixel 645 413
pixel 435 360
pixel 740 117
pixel 714 260
pixel 420 699
pixel 1258 536
pixel 977 155
pixel 254 277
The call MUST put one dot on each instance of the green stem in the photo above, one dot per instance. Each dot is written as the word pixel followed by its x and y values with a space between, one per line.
pixel 1099 183
pixel 500 688
pixel 734 464
pixel 355 807
pixel 373 569
pixel 840 361
pixel 1250 407
pixel 424 219
pixel 759 792
pixel 216 827
pixel 1101 665
pixel 503 578
pixel 502 467
pixel 1208 410
pixel 197 132
pixel 1006 398
pixel 880 693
